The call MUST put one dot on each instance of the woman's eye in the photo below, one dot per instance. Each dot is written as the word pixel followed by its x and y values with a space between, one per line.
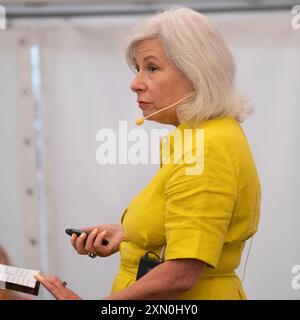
pixel 152 68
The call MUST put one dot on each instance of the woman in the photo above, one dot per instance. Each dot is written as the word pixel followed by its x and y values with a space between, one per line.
pixel 202 220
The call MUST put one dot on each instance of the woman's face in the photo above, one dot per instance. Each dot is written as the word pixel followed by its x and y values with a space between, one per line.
pixel 158 82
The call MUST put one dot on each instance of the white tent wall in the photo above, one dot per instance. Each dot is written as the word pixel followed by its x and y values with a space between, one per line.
pixel 19 217
pixel 10 141
pixel 86 87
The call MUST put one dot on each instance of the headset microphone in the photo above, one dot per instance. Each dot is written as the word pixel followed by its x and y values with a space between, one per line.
pixel 140 121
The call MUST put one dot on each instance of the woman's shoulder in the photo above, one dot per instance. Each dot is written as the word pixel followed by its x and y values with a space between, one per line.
pixel 217 132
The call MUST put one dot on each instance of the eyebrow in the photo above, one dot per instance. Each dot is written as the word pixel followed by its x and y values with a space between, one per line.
pixel 147 58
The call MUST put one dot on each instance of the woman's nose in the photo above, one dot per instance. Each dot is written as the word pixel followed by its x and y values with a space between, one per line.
pixel 137 84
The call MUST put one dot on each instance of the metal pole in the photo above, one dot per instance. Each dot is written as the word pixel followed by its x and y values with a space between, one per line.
pixel 48 11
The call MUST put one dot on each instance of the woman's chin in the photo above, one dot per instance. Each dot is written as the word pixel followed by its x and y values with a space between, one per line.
pixel 146 114
pixel 156 117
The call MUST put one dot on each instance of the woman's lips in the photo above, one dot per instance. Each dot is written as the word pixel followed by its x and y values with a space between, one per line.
pixel 143 105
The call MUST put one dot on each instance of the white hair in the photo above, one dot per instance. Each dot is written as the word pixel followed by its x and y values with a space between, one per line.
pixel 195 45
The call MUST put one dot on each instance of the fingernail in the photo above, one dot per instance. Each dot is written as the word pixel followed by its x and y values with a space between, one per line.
pixel 103 233
pixel 83 235
pixel 38 277
pixel 73 236
pixel 95 230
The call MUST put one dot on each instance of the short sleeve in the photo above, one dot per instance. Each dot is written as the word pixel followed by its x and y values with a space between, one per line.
pixel 199 207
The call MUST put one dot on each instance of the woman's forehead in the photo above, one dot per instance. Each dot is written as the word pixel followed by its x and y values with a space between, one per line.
pixel 149 49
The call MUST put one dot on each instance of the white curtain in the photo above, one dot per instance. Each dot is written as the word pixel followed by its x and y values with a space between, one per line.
pixel 86 82
pixel 19 217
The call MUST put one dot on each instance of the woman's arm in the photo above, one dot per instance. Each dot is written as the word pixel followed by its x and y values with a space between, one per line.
pixel 164 281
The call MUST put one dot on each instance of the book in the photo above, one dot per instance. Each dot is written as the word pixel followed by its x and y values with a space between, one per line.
pixel 19 279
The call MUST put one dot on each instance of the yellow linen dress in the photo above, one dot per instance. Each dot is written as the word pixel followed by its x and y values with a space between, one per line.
pixel 206 216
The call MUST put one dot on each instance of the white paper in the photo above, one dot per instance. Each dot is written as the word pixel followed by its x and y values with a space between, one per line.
pixel 20 276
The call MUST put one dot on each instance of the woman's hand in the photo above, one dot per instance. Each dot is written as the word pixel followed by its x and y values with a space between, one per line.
pixel 57 288
pixel 92 243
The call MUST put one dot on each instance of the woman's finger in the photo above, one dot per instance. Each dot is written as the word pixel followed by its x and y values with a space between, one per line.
pixel 73 240
pixel 46 283
pixel 90 241
pixel 80 243
pixel 56 287
pixel 97 245
pixel 56 282
pixel 99 238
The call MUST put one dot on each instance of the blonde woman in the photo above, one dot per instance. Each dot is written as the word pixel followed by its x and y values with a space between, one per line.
pixel 202 220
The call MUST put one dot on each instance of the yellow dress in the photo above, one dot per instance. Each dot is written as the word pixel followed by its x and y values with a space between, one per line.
pixel 206 216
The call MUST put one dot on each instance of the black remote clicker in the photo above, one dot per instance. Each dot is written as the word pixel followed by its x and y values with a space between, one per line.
pixel 78 232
